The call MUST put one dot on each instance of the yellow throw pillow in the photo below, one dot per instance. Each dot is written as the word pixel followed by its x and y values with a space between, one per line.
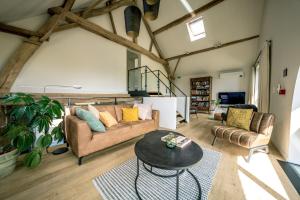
pixel 130 114
pixel 107 119
pixel 239 118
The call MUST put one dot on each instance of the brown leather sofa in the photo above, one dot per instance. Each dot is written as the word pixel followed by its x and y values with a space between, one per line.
pixel 84 142
pixel 256 139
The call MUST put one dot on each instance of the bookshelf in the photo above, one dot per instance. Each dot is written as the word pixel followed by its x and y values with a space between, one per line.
pixel 201 93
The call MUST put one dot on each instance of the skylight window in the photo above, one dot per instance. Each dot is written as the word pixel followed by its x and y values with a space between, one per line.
pixel 196 29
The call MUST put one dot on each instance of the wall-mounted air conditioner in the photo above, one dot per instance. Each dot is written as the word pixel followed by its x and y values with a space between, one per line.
pixel 232 74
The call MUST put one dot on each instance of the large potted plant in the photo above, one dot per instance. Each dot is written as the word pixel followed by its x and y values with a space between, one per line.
pixel 27 117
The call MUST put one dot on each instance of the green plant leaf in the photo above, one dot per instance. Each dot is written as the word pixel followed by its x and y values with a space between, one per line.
pixel 47 140
pixel 18 98
pixel 30 112
pixel 18 112
pixel 42 123
pixel 44 141
pixel 20 141
pixel 58 134
pixel 13 131
pixel 33 159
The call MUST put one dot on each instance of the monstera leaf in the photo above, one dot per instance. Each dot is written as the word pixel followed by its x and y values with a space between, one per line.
pixel 33 159
pixel 29 116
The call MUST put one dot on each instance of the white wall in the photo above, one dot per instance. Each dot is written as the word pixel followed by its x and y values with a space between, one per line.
pixel 167 110
pixel 75 56
pixel 281 25
pixel 236 84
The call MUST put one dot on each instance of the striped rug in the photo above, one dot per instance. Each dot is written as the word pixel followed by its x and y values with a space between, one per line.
pixel 118 183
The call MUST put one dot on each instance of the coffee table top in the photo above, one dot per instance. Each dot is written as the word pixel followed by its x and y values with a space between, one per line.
pixel 152 151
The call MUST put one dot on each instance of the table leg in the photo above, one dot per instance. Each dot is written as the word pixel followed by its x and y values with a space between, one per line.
pixel 136 178
pixel 198 184
pixel 177 184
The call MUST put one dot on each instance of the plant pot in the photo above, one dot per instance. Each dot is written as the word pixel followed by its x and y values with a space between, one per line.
pixel 8 163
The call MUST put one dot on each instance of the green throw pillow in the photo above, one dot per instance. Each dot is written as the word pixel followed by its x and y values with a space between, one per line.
pixel 92 121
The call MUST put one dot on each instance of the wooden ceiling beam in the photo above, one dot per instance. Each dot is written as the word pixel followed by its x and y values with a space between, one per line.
pixel 11 70
pixel 58 18
pixel 188 16
pixel 212 48
pixel 152 37
pixel 154 42
pixel 92 13
pixel 91 7
pixel 111 17
pixel 18 31
pixel 176 66
pixel 94 28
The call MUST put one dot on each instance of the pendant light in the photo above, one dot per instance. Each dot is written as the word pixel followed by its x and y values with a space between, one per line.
pixel 151 2
pixel 151 10
pixel 132 16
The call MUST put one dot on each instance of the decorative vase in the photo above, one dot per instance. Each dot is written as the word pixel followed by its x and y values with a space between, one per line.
pixel 8 163
pixel 151 10
pixel 132 16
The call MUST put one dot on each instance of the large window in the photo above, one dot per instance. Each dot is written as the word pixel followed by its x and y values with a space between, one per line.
pixel 256 86
pixel 196 29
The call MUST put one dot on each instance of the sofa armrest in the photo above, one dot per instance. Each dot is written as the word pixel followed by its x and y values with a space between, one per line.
pixel 78 134
pixel 155 117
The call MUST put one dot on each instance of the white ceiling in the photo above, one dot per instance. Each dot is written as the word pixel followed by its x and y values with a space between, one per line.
pixel 228 21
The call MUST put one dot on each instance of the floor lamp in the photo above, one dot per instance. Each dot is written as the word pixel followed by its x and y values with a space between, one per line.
pixel 62 149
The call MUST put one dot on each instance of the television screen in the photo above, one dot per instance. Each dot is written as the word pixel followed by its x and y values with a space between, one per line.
pixel 232 97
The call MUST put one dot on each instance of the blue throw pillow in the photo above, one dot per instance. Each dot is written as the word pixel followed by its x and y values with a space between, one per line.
pixel 91 120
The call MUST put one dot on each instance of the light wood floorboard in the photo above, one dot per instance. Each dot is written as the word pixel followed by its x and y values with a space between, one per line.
pixel 59 177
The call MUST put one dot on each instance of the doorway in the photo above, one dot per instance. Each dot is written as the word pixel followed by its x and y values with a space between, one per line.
pixel 134 79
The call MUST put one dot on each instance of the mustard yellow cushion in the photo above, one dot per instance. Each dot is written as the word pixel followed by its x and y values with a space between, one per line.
pixel 107 119
pixel 239 118
pixel 130 114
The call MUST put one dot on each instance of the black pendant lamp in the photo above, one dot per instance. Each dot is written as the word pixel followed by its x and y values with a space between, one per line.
pixel 132 21
pixel 151 10
pixel 151 2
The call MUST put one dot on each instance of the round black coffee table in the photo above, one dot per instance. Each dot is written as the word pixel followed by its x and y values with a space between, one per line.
pixel 154 153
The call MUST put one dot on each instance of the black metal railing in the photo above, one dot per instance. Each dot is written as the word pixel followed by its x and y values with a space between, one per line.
pixel 139 80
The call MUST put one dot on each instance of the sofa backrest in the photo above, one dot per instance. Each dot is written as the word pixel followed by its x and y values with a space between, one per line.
pixel 114 110
pixel 262 123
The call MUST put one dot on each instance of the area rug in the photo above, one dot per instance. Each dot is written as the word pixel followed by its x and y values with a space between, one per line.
pixel 118 183
pixel 293 173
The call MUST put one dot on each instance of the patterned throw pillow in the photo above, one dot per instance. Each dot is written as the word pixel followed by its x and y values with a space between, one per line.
pixel 239 118
pixel 107 119
pixel 94 110
pixel 91 120
pixel 145 111
pixel 130 114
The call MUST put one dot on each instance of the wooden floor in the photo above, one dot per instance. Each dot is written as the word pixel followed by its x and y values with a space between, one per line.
pixel 59 177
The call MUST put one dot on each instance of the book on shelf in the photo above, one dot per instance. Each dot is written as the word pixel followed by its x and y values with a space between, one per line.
pixel 181 141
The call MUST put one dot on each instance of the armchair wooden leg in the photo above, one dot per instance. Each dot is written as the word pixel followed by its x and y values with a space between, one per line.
pixel 80 160
pixel 212 144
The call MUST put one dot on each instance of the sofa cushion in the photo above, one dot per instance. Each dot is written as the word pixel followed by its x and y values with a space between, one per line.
pixel 266 124
pixel 130 114
pixel 94 110
pixel 239 118
pixel 91 120
pixel 145 111
pixel 108 108
pixel 118 110
pixel 235 135
pixel 255 122
pixel 107 119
